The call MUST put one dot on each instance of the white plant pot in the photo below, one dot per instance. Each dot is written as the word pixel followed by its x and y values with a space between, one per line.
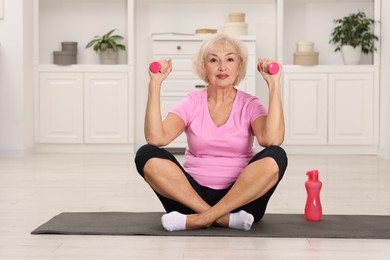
pixel 351 55
pixel 108 56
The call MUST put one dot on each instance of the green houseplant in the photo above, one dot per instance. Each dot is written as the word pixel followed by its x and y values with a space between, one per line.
pixel 107 46
pixel 354 33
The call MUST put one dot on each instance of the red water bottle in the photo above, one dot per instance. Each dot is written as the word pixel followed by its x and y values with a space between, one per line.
pixel 313 208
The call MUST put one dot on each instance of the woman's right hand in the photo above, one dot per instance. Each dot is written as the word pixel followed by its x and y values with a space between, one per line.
pixel 262 66
pixel 166 68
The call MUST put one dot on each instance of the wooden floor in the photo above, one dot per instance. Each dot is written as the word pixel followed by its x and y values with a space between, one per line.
pixel 35 188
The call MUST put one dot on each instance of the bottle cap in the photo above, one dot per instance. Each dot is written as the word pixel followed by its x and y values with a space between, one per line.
pixel 313 174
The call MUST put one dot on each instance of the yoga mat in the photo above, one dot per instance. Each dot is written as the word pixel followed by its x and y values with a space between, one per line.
pixel 272 225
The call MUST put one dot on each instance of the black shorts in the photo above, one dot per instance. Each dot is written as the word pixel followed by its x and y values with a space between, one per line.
pixel 211 196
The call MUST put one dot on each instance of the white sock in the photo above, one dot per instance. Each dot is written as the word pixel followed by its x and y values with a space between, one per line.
pixel 174 221
pixel 241 220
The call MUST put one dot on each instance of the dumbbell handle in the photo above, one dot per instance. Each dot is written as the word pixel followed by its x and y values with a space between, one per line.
pixel 272 68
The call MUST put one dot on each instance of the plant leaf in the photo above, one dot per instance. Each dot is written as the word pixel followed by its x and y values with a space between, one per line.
pixel 106 41
pixel 354 30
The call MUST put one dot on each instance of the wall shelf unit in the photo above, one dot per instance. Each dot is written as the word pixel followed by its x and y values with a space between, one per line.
pixel 84 103
pixel 330 107
pixel 313 20
pixel 277 26
pixel 79 21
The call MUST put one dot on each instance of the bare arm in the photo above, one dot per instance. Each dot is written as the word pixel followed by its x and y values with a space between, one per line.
pixel 269 130
pixel 157 131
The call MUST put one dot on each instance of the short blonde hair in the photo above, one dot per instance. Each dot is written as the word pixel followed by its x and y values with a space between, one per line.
pixel 209 44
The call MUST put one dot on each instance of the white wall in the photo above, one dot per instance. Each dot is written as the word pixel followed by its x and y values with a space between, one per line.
pixel 16 78
pixel 384 134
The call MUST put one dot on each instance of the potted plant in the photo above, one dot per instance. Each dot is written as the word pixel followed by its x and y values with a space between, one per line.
pixel 107 47
pixel 353 34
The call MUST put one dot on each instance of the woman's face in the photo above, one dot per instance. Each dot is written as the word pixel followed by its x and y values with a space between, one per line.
pixel 222 65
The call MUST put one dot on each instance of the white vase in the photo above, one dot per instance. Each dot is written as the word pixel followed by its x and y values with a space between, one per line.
pixel 351 55
pixel 108 56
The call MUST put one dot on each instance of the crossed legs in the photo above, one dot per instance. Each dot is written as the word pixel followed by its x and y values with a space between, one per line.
pixel 167 179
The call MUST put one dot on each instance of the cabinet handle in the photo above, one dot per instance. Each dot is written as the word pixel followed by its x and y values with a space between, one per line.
pixel 178 47
pixel 200 86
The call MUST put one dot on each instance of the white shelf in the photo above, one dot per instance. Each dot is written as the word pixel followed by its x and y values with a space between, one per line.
pixel 329 68
pixel 224 2
pixel 79 21
pixel 313 20
pixel 83 68
pixel 329 1
pixel 195 37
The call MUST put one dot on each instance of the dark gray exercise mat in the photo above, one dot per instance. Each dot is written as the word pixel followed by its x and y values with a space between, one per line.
pixel 272 225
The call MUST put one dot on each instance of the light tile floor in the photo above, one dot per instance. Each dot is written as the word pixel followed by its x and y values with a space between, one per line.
pixel 35 188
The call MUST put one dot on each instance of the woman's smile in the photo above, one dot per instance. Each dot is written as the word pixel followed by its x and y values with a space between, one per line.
pixel 222 76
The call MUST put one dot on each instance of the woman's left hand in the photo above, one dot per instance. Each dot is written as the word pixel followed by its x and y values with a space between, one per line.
pixel 262 66
pixel 269 130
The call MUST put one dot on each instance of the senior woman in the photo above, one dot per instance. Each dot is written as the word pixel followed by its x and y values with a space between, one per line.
pixel 221 182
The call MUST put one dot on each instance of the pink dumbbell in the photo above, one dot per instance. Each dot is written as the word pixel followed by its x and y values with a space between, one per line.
pixel 155 67
pixel 272 69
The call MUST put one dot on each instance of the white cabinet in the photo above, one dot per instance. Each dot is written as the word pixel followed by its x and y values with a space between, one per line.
pixel 84 103
pixel 182 80
pixel 61 101
pixel 105 110
pixel 333 109
pixel 351 108
pixel 83 108
pixel 305 98
pixel 329 108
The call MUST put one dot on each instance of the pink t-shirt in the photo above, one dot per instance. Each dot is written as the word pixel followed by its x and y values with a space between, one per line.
pixel 216 156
